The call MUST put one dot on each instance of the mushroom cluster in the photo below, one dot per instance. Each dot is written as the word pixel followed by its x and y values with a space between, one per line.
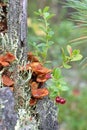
pixel 5 62
pixel 40 75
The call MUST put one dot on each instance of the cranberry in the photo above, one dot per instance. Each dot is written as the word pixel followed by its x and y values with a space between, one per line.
pixel 62 101
pixel 58 99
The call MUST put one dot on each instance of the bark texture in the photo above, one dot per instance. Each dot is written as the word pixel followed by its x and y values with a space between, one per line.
pixel 48 115
pixel 8 117
pixel 17 23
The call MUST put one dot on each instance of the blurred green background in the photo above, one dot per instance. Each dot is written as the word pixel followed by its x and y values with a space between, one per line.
pixel 72 115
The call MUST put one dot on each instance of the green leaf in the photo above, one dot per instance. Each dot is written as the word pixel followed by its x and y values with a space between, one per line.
pixel 77 57
pixel 63 53
pixel 50 16
pixel 61 80
pixel 41 45
pixel 46 14
pixel 64 88
pixel 40 11
pixel 53 94
pixel 75 52
pixel 66 65
pixel 46 9
pixel 51 33
pixel 69 49
pixel 56 73
pixel 50 43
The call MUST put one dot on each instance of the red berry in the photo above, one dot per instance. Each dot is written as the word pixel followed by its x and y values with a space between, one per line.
pixel 62 101
pixel 58 99
pixel 48 76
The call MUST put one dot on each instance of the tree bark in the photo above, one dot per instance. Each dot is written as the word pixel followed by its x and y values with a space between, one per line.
pixel 48 114
pixel 17 23
pixel 17 32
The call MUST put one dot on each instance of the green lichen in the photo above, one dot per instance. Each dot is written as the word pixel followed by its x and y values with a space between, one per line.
pixel 22 94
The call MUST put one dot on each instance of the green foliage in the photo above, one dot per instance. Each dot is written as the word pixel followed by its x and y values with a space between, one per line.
pixel 56 84
pixel 74 55
pixel 63 34
pixel 45 41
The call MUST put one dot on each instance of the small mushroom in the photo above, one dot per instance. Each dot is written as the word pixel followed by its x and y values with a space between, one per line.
pixel 7 81
pixel 40 93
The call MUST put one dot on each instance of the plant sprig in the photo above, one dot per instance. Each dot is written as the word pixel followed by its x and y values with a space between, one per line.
pixel 74 55
pixel 56 84
pixel 45 41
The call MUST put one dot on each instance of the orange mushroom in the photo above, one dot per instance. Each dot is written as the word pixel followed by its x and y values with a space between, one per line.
pixel 32 101
pixel 33 85
pixel 9 57
pixel 7 81
pixel 3 62
pixel 43 77
pixel 38 68
pixel 40 93
pixel 32 58
pixel 6 59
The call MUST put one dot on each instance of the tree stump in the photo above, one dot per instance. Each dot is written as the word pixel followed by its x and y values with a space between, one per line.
pixel 17 22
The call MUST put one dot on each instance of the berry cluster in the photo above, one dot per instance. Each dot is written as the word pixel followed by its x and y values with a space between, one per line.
pixel 60 100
